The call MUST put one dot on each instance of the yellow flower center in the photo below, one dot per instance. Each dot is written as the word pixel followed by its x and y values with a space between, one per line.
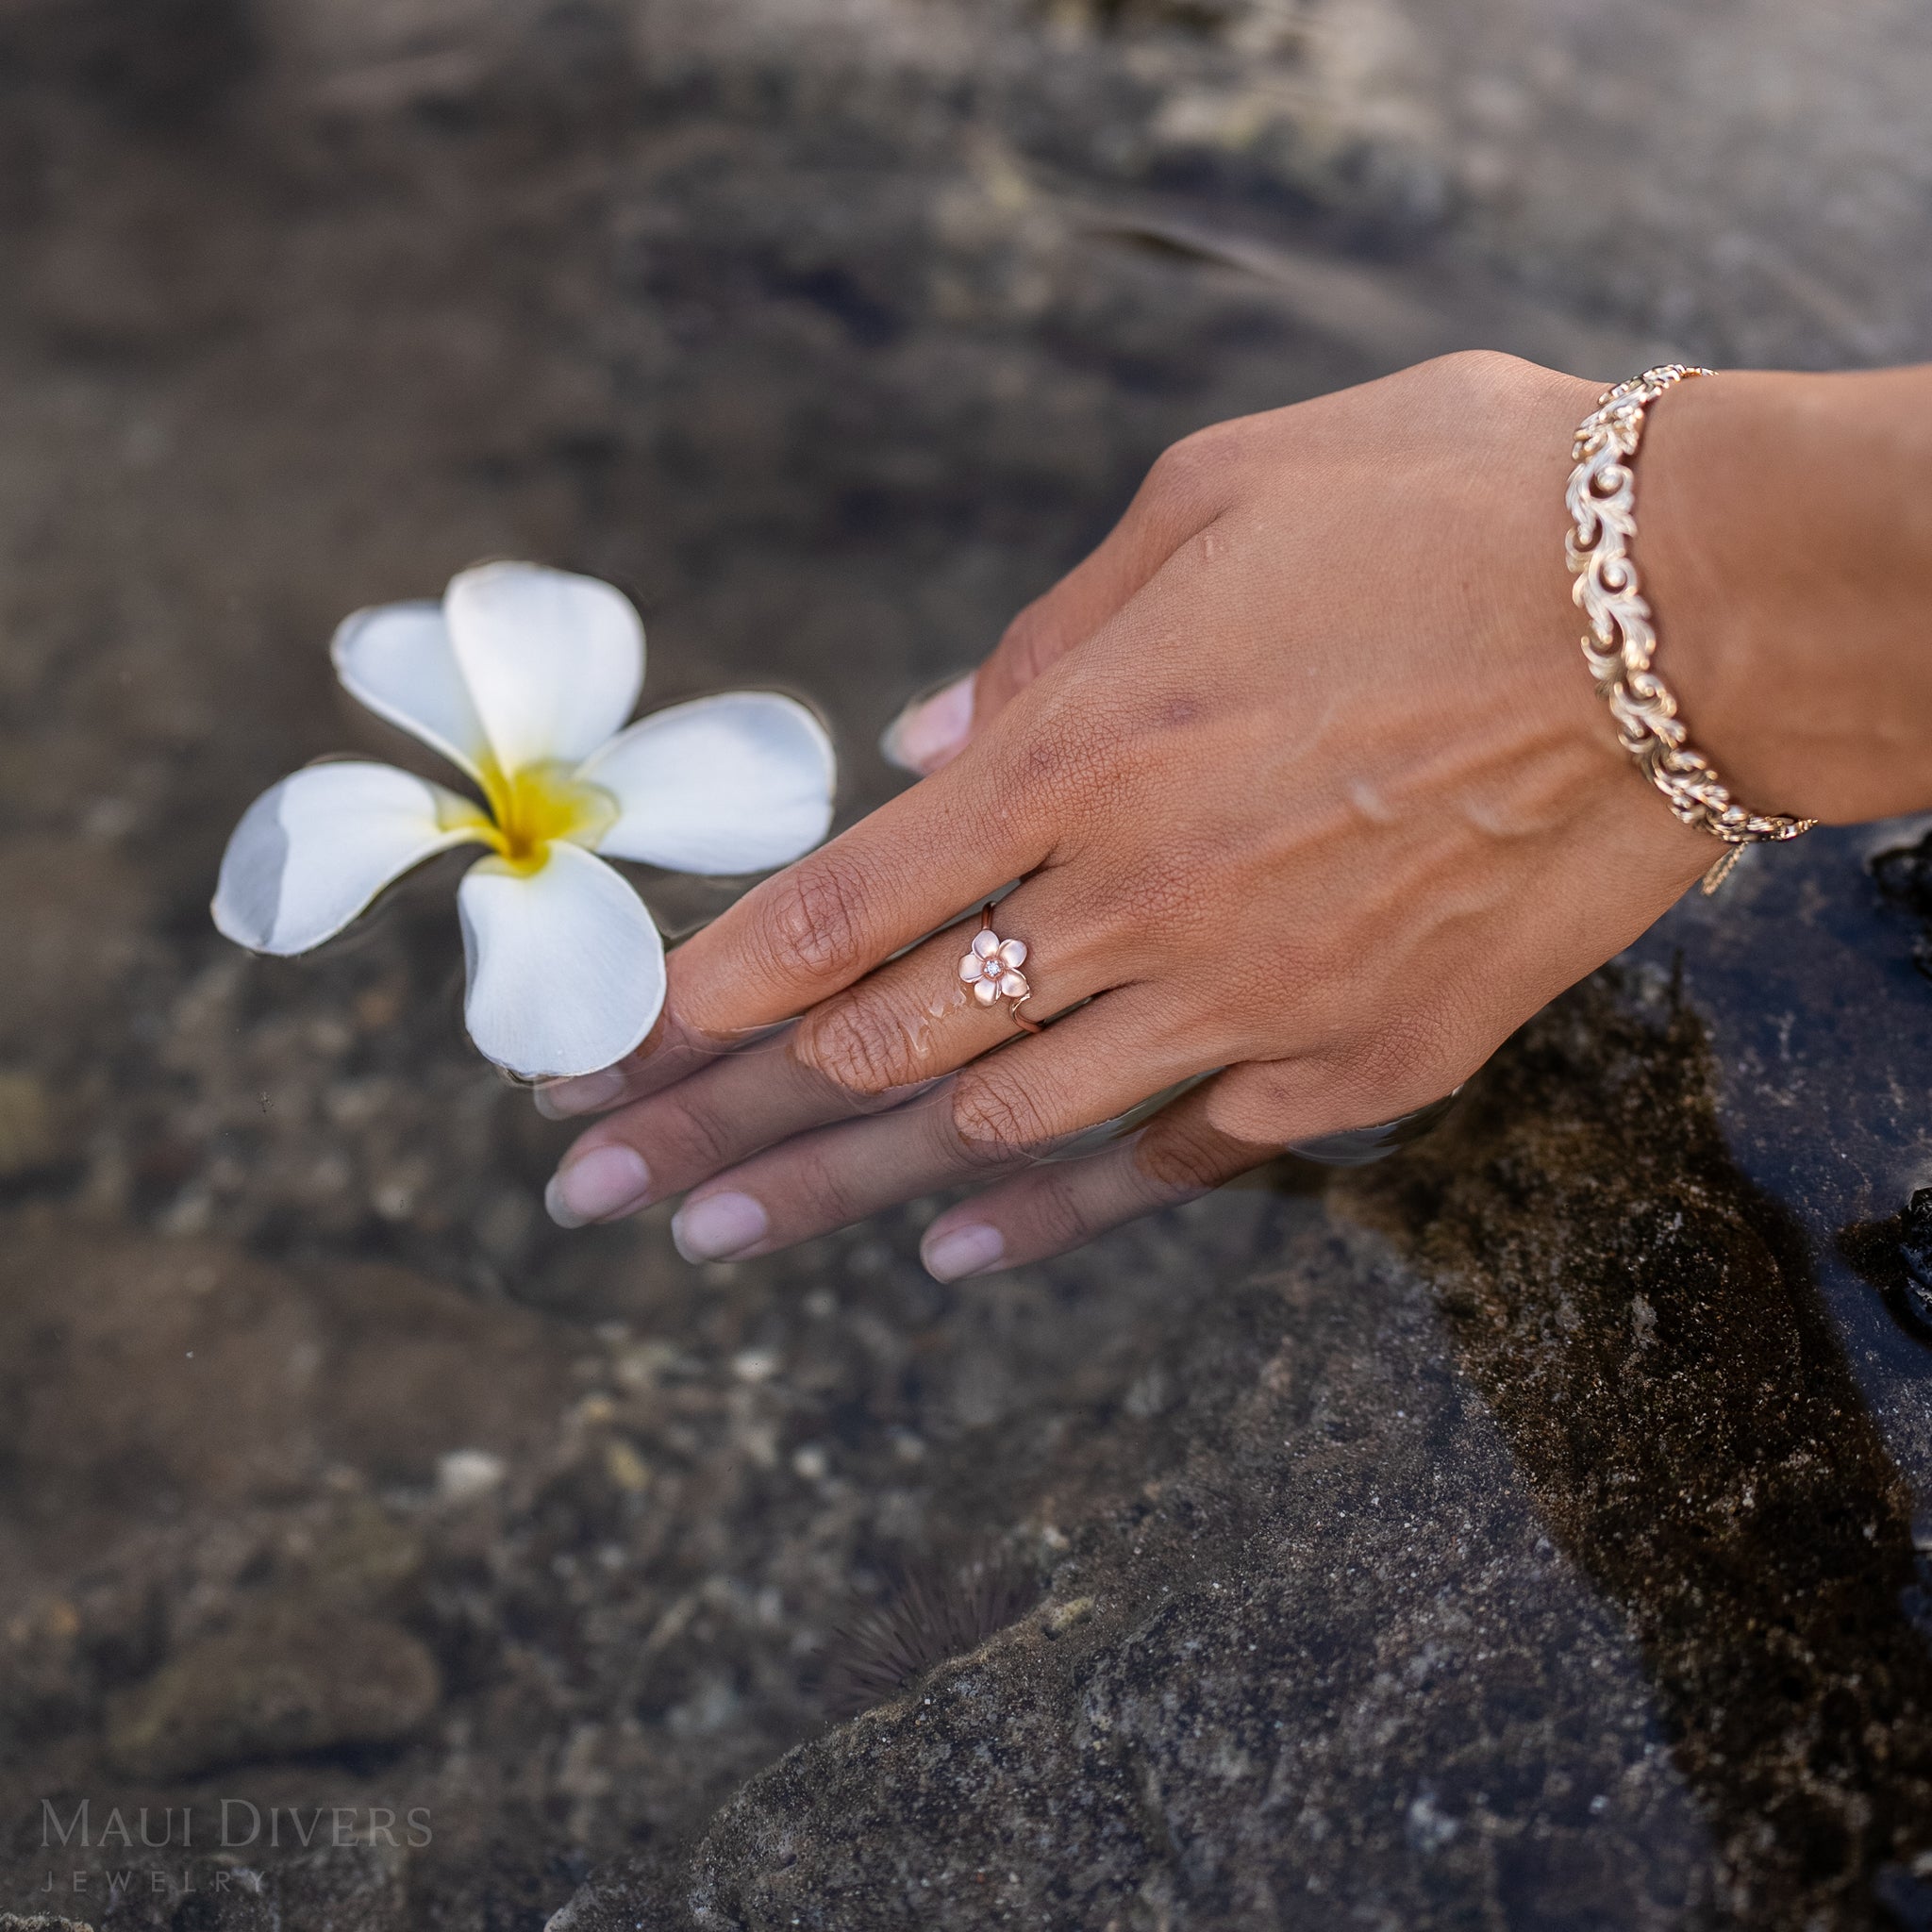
pixel 535 805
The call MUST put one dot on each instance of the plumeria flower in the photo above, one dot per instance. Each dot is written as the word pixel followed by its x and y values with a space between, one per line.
pixel 992 969
pixel 524 678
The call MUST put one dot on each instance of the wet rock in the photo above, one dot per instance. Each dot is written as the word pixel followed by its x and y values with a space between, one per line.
pixel 65 963
pixel 1904 878
pixel 1915 1250
pixel 363 1888
pixel 1649 1331
pixel 194 1365
pixel 1549 1550
pixel 30 1138
pixel 836 331
pixel 211 1377
pixel 1895 1254
pixel 290 1680
pixel 363 1558
pixel 1307 1650
pixel 406 1386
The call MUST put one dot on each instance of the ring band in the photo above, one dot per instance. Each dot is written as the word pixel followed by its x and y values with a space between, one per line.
pixel 992 969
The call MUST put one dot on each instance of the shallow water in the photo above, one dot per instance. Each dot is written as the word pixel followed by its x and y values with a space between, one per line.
pixel 1526 1533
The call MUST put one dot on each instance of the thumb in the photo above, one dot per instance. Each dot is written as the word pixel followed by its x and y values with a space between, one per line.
pixel 1182 495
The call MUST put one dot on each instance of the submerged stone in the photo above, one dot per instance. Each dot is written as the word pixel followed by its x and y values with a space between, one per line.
pixel 1534 1536
pixel 290 1680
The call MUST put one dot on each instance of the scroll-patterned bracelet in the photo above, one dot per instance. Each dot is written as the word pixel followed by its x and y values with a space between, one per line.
pixel 1622 638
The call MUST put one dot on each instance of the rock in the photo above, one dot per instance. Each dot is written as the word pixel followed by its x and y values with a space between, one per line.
pixel 66 962
pixel 363 1888
pixel 365 1559
pixel 30 1140
pixel 462 1475
pixel 209 1378
pixel 193 1364
pixel 287 1681
pixel 419 1369
pixel 836 329
pixel 1520 1539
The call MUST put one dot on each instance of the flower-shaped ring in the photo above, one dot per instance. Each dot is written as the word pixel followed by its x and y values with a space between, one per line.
pixel 992 969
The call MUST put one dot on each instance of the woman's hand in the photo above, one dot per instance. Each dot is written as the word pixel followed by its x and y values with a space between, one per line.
pixel 1301 778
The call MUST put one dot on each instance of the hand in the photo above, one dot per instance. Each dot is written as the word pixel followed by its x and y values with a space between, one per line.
pixel 1303 778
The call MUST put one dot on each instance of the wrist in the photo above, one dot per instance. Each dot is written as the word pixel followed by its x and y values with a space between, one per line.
pixel 1787 556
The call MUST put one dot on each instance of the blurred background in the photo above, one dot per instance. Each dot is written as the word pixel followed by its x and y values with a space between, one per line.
pixel 833 330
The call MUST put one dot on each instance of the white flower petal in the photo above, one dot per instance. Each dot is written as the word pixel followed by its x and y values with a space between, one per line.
pixel 313 851
pixel 730 784
pixel 566 967
pixel 1013 986
pixel 986 943
pixel 1013 953
pixel 986 993
pixel 971 967
pixel 396 659
pixel 554 662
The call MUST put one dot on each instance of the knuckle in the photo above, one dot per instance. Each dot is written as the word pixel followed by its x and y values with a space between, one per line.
pixel 1267 1106
pixel 1186 471
pixel 1389 1072
pixel 695 1141
pixel 815 919
pixel 819 1175
pixel 995 1120
pixel 859 1043
pixel 1186 1156
pixel 1057 1215
pixel 1056 769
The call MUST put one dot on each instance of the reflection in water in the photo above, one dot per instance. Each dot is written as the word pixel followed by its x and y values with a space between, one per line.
pixel 1645 1326
pixel 1365 1146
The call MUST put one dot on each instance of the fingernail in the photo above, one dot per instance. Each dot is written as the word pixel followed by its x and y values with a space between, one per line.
pixel 718 1226
pixel 959 1251
pixel 930 731
pixel 587 1091
pixel 595 1185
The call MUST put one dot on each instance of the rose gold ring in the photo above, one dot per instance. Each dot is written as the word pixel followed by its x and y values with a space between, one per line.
pixel 992 969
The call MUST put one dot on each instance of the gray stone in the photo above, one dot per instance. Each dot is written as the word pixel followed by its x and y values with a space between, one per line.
pixel 289 1680
pixel 1554 1492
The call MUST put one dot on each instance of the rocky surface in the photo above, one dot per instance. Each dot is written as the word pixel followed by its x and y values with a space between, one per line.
pixel 1534 1542
pixel 1525 1534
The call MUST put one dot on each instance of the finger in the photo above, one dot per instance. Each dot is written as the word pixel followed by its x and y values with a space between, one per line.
pixel 1004 1112
pixel 819 905
pixel 1049 777
pixel 1342 1092
pixel 1179 1156
pixel 1214 1132
pixel 668 1142
pixel 864 1050
pixel 1182 494
pixel 910 868
pixel 671 1052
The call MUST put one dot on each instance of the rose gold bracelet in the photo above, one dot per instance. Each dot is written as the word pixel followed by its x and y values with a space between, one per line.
pixel 1622 638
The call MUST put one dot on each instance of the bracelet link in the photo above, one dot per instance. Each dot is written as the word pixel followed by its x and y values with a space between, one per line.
pixel 1620 642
